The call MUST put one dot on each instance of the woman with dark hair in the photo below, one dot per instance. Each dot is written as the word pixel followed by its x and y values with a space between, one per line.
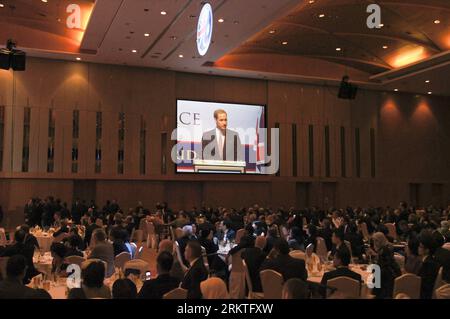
pixel 389 271
pixel 412 260
pixel 92 287
pixel 312 236
pixel 296 239
pixel 124 289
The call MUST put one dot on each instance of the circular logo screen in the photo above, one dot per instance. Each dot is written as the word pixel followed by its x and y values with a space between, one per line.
pixel 204 29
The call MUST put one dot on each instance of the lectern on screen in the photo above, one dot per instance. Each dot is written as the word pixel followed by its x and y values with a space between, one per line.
pixel 220 138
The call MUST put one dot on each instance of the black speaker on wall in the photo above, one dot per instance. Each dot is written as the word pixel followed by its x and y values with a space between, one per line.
pixel 11 58
pixel 347 91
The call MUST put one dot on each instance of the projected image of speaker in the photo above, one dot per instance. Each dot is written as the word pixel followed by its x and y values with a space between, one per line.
pixel 347 91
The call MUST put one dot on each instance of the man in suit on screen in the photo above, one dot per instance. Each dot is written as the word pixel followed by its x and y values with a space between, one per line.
pixel 221 143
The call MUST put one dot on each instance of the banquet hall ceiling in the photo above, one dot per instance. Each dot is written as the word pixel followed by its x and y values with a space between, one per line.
pixel 313 41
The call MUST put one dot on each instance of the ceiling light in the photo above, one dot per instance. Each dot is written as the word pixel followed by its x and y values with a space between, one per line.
pixel 1 5
pixel 146 34
pixel 272 31
pixel 427 81
pixel 284 43
pixel 78 59
pixel 221 20
pixel 321 15
pixel 181 56
pixel 381 25
pixel 134 51
pixel 385 47
pixel 338 49
pixel 45 1
pixel 163 13
pixel 429 93
pixel 437 21
pixel 311 1
pixel 396 90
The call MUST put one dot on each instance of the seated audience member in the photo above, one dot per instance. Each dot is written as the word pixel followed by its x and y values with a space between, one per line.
pixel 164 283
pixel 92 286
pixel 13 288
pixel 441 255
pixel 272 236
pixel 341 261
pixel 327 233
pixel 197 271
pixel 58 251
pixel 176 270
pixel 280 261
pixel 246 242
pixel 76 238
pixel 228 233
pixel 311 259
pixel 182 242
pixel 389 271
pixel 337 239
pixel 444 230
pixel 413 261
pixel 430 267
pixel 30 239
pixel 103 250
pixel 19 248
pixel 296 240
pixel 90 228
pixel 124 289
pixel 312 235
pixel 295 289
pixel 355 239
pixel 214 288
pixel 118 237
pixel 72 244
pixel 254 258
pixel 63 229
pixel 443 292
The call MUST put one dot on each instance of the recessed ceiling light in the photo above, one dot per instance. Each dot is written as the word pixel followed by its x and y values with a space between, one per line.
pixel 429 93
pixel 385 47
pixel 134 51
pixel 381 25
pixel 427 81
pixel 311 1
pixel 181 56
pixel 45 1
pixel 284 43
pixel 338 49
pixel 396 90
pixel 272 31
pixel 1 5
pixel 163 13
pixel 437 21
pixel 321 15
pixel 221 20
pixel 146 34
pixel 78 59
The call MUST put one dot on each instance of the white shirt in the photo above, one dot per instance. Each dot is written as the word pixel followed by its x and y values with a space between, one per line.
pixel 220 140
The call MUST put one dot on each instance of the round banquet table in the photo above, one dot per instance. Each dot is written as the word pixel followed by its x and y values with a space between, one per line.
pixel 359 269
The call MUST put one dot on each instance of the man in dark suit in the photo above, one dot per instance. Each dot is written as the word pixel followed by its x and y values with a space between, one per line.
pixel 13 288
pixel 221 143
pixel 326 233
pixel 89 230
pixel 280 261
pixel 27 251
pixel 164 283
pixel 430 267
pixel 441 254
pixel 341 261
pixel 254 257
pixel 197 271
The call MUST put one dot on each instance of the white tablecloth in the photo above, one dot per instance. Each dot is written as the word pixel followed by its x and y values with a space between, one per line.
pixel 45 240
